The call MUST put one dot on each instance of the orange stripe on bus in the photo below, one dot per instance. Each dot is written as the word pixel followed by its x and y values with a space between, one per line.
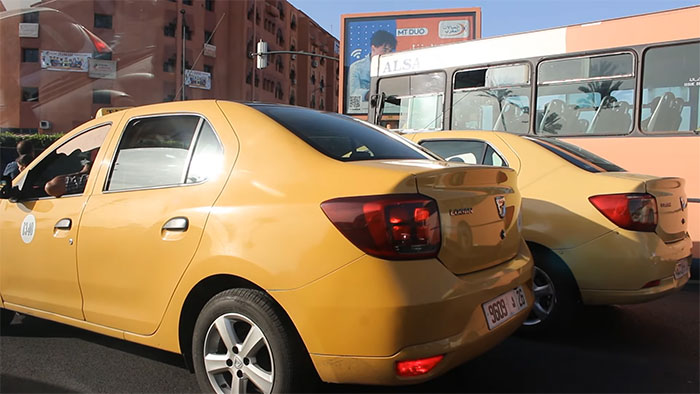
pixel 673 25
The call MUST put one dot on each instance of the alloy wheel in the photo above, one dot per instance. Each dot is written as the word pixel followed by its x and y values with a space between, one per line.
pixel 237 356
pixel 545 298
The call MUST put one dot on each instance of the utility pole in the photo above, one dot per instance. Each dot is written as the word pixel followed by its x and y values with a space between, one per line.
pixel 182 11
pixel 255 70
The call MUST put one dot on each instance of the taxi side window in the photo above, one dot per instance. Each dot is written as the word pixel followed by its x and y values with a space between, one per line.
pixel 157 151
pixel 208 156
pixel 72 159
pixel 465 151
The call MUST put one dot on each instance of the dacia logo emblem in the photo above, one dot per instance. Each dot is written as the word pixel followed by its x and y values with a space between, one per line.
pixel 684 204
pixel 501 206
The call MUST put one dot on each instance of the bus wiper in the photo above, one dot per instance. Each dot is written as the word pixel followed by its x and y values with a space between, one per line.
pixel 378 101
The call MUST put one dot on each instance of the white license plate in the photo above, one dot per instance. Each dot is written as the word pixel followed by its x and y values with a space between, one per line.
pixel 682 269
pixel 502 308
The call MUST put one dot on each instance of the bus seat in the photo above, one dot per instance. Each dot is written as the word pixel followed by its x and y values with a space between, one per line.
pixel 561 118
pixel 512 118
pixel 666 115
pixel 551 121
pixel 615 117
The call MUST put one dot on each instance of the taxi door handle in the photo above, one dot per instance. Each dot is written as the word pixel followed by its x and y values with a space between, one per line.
pixel 63 224
pixel 176 224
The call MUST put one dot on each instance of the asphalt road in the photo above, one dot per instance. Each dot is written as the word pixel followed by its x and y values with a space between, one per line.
pixel 652 347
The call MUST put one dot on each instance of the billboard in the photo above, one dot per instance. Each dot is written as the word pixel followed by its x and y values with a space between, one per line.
pixel 365 35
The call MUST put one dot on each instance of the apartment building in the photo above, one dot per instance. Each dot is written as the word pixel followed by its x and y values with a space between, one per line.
pixel 63 60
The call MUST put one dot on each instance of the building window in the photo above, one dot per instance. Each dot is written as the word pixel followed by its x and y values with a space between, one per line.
pixel 249 78
pixel 101 96
pixel 293 23
pixel 30 55
pixel 102 55
pixel 207 37
pixel 188 33
pixel 280 37
pixel 30 17
pixel 209 5
pixel 313 102
pixel 169 65
pixel 103 21
pixel 169 29
pixel 313 79
pixel 209 69
pixel 187 2
pixel 30 94
pixel 280 8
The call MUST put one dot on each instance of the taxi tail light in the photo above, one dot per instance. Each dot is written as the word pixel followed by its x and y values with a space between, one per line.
pixel 417 367
pixel 392 227
pixel 631 211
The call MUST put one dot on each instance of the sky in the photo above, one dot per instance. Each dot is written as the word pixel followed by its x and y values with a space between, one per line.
pixel 498 17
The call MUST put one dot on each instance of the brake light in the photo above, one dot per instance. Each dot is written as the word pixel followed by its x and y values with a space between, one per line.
pixel 417 367
pixel 393 227
pixel 636 212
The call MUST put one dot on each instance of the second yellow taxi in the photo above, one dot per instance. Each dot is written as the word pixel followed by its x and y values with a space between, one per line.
pixel 598 234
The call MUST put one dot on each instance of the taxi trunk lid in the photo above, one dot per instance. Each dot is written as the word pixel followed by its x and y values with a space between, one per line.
pixel 479 208
pixel 672 206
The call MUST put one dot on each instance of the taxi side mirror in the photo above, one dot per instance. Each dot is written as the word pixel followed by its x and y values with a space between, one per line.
pixel 7 192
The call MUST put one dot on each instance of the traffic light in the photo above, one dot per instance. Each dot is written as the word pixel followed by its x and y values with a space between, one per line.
pixel 262 59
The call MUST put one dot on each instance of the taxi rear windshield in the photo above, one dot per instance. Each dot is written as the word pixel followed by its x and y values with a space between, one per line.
pixel 579 157
pixel 341 137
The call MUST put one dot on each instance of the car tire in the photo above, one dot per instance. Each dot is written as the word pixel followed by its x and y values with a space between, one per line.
pixel 264 353
pixel 557 296
pixel 6 317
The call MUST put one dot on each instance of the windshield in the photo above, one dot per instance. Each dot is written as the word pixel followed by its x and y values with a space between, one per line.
pixel 577 156
pixel 341 137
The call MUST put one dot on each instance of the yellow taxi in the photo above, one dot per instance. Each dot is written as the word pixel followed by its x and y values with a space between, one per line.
pixel 266 243
pixel 598 234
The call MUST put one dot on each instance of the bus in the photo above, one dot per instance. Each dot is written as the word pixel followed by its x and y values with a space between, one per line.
pixel 626 89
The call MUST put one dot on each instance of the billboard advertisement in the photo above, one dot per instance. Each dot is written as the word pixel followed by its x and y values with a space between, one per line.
pixel 367 35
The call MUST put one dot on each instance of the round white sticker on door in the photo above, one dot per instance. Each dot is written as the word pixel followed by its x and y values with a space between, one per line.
pixel 28 229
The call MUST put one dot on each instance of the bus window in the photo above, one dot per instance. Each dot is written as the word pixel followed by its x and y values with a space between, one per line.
pixel 586 95
pixel 671 88
pixel 415 102
pixel 494 98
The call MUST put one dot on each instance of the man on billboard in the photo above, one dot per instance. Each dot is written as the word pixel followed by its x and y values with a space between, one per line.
pixel 358 75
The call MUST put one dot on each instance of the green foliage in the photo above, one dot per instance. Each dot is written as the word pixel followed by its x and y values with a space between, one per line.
pixel 40 141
